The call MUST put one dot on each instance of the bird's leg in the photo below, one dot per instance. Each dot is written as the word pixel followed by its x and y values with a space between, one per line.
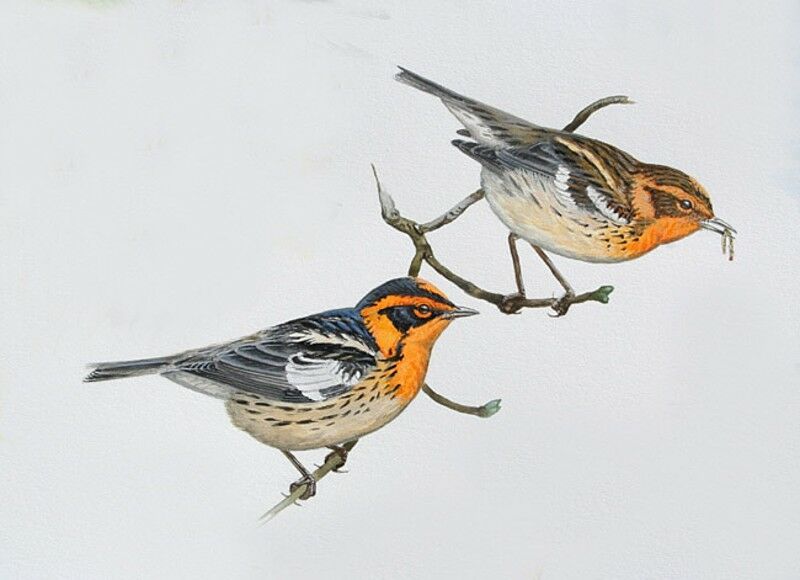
pixel 512 246
pixel 562 304
pixel 307 479
pixel 512 303
pixel 341 452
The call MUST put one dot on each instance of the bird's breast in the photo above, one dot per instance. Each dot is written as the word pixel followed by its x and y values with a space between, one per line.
pixel 530 206
pixel 372 403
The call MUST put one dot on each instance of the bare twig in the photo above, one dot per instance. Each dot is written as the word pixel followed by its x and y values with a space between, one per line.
pixel 587 111
pixel 334 461
pixel 423 252
pixel 453 212
pixel 483 411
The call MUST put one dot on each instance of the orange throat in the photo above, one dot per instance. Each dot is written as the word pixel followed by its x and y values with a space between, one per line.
pixel 411 371
pixel 413 352
pixel 662 231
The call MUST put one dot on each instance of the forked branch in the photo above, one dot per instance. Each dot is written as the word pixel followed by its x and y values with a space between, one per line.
pixel 423 252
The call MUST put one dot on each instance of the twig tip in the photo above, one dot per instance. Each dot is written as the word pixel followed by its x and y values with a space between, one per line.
pixel 490 408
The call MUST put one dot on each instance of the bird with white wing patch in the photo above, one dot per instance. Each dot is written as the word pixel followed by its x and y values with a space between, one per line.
pixel 572 195
pixel 319 381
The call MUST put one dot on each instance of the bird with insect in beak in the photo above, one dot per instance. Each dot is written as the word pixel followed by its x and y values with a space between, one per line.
pixel 571 195
pixel 319 381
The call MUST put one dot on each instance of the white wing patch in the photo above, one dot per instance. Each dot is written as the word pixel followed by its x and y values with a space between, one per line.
pixel 562 176
pixel 602 206
pixel 562 187
pixel 311 376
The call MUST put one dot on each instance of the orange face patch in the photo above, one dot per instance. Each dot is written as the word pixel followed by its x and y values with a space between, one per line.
pixel 388 336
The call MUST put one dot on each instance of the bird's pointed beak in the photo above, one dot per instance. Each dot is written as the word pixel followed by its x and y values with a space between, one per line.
pixel 719 226
pixel 459 312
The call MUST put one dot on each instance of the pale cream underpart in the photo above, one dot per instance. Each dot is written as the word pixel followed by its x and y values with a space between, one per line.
pixel 332 424
pixel 511 198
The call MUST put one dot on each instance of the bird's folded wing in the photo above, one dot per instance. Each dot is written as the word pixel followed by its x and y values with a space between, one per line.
pixel 292 363
pixel 586 174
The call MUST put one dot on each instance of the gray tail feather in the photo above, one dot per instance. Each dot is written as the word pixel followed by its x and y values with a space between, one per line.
pixel 412 79
pixel 483 154
pixel 129 368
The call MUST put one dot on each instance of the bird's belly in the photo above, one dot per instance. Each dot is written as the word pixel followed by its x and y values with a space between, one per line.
pixel 370 405
pixel 530 209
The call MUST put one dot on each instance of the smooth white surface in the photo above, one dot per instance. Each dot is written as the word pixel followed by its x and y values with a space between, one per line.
pixel 186 172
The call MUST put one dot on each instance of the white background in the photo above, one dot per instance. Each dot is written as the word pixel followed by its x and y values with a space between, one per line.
pixel 182 173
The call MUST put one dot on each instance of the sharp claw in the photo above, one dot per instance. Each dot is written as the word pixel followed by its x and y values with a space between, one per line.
pixel 310 487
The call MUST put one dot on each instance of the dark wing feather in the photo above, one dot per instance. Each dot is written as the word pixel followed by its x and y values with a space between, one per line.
pixel 582 172
pixel 484 123
pixel 311 359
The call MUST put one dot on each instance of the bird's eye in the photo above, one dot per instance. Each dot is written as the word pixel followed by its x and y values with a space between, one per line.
pixel 423 311
pixel 686 204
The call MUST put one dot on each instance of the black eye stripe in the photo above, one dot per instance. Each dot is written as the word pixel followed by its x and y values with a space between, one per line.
pixel 668 204
pixel 404 318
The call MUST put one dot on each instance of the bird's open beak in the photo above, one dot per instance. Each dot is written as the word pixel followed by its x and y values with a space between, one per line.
pixel 717 225
pixel 459 312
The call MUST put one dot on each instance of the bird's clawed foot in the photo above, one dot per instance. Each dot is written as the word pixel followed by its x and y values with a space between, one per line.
pixel 341 453
pixel 561 306
pixel 310 484
pixel 512 303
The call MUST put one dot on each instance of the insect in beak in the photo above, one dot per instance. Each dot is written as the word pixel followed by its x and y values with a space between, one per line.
pixel 725 230
pixel 459 312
